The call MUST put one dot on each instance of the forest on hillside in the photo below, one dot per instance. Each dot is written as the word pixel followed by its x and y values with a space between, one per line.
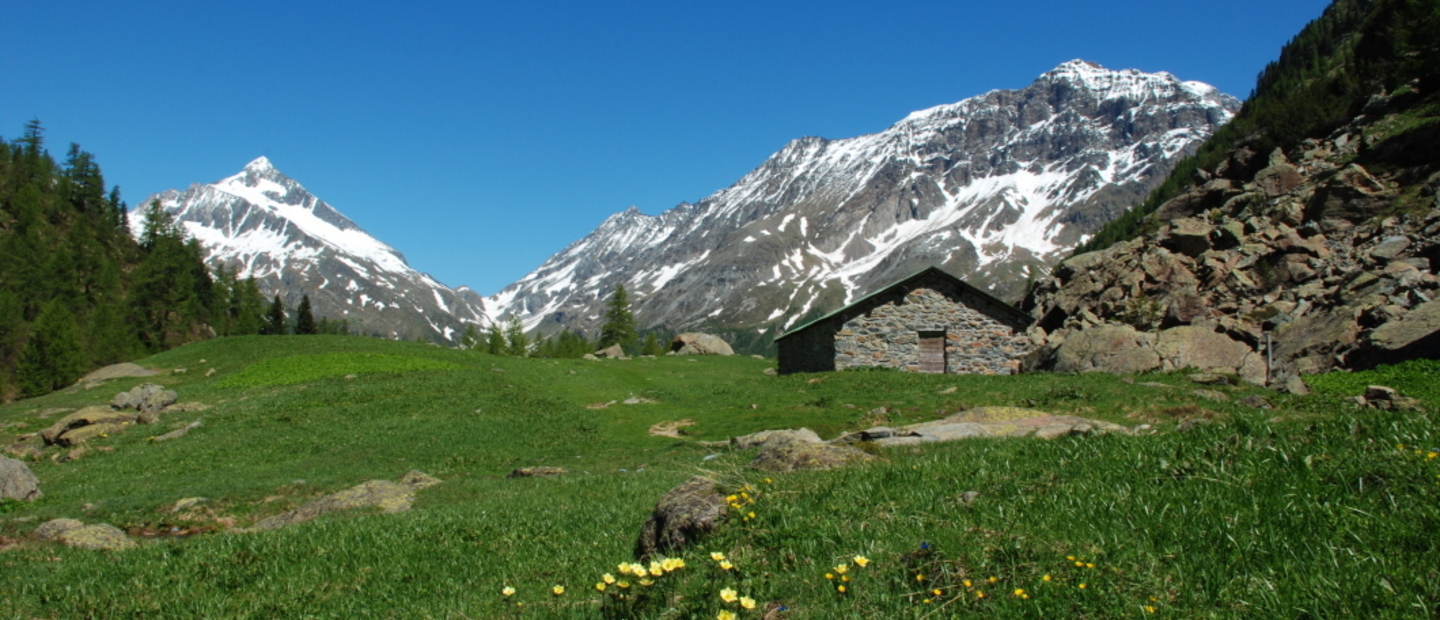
pixel 78 291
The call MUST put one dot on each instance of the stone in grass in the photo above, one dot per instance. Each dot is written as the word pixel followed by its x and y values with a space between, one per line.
pixel 683 515
pixel 17 481
pixel 745 442
pixel 97 536
pixel 785 453
pixel 177 433
pixel 88 416
pixel 538 472
pixel 383 494
pixel 52 529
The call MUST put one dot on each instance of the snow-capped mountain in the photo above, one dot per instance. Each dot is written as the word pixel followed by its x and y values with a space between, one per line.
pixel 988 188
pixel 263 224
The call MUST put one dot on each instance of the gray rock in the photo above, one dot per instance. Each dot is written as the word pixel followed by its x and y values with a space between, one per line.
pixel 538 472
pixel 1390 247
pixel 745 442
pixel 98 536
pixel 1115 349
pixel 1381 392
pixel 1416 335
pixel 1190 346
pixel 782 454
pixel 695 343
pixel 611 352
pixel 52 529
pixel 681 517
pixel 177 433
pixel 17 481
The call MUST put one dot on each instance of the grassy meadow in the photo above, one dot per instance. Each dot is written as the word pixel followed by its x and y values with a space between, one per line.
pixel 1313 509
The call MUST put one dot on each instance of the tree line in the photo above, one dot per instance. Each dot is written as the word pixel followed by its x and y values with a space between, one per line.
pixel 618 329
pixel 79 291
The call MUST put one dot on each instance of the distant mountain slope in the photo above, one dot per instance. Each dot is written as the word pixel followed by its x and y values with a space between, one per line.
pixel 262 223
pixel 987 188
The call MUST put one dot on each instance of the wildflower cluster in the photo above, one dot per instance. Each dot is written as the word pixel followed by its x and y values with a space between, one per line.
pixel 840 575
pixel 729 596
pixel 741 500
pixel 645 575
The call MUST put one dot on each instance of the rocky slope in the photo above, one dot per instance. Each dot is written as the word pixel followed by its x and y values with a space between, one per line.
pixel 987 188
pixel 263 224
pixel 1328 251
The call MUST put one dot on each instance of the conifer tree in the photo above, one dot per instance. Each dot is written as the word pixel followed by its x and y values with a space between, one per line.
pixel 470 338
pixel 495 340
pixel 516 343
pixel 652 345
pixel 274 324
pixel 619 327
pixel 304 318
pixel 53 357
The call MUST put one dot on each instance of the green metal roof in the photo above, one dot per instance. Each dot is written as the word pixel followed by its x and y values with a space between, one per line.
pixel 926 271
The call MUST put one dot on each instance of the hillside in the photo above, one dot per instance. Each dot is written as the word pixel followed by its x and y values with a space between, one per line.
pixel 1245 512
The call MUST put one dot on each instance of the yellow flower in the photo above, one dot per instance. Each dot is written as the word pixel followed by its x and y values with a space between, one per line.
pixel 844 578
pixel 1070 557
pixel 1079 564
pixel 751 515
pixel 508 591
pixel 670 564
pixel 936 592
pixel 747 602
pixel 656 570
pixel 925 601
pixel 607 578
pixel 840 588
pixel 829 575
pixel 1019 591
pixel 979 594
pixel 1082 586
pixel 994 579
pixel 920 578
pixel 731 498
pixel 841 568
pixel 728 595
pixel 717 556
pixel 768 481
pixel 861 561
pixel 557 590
pixel 725 614
pixel 600 586
pixel 1149 609
pixel 1089 565
pixel 726 565
pixel 622 584
pixel 647 582
pixel 966 583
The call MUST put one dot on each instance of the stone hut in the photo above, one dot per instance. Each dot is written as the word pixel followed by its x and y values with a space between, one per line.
pixel 930 322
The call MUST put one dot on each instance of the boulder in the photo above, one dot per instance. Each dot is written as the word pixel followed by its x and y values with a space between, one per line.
pixel 1190 346
pixel 144 397
pixel 1279 179
pixel 783 453
pixel 17 482
pixel 694 343
pixel 77 436
pixel 1416 335
pixel 611 352
pixel 745 442
pixel 683 515
pixel 118 371
pixel 88 416
pixel 1189 236
pixel 52 529
pixel 1112 348
pixel 98 536
pixel 177 433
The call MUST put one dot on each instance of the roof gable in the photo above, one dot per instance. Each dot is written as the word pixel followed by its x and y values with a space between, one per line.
pixel 928 272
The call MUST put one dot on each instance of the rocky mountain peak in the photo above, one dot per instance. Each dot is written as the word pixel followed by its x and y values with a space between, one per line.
pixel 988 188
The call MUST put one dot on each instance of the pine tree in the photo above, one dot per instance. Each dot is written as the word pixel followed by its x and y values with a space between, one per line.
pixel 470 339
pixel 619 325
pixel 53 357
pixel 495 340
pixel 274 324
pixel 652 345
pixel 304 319
pixel 516 343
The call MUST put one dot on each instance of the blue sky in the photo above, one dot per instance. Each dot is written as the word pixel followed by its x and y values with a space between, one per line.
pixel 478 138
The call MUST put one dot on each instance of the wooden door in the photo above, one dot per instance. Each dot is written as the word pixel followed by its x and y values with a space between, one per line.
pixel 932 352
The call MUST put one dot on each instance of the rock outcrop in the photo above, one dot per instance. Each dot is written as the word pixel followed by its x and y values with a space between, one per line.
pixel 17 482
pixel 74 533
pixel 382 494
pixel 681 517
pixel 1327 252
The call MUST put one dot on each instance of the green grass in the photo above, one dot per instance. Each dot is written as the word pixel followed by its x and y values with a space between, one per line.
pixel 1317 509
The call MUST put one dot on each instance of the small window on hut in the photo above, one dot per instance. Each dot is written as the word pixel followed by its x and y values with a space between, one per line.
pixel 932 352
